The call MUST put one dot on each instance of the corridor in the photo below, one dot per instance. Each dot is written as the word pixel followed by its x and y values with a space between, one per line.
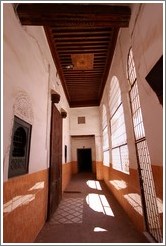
pixel 89 213
pixel 82 91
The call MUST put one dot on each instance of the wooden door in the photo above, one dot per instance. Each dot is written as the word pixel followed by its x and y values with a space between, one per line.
pixel 55 169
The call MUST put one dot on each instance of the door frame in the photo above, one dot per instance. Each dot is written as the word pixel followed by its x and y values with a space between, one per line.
pixel 51 176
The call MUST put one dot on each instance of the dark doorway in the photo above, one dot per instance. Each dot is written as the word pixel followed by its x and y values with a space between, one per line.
pixel 55 169
pixel 84 157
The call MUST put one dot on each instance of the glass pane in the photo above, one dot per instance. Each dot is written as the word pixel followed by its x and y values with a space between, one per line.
pixel 104 117
pixel 137 113
pixel 106 158
pixel 131 68
pixel 105 139
pixel 125 158
pixel 118 128
pixel 116 160
pixel 115 95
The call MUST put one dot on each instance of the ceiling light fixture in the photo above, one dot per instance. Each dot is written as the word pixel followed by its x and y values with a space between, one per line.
pixel 69 66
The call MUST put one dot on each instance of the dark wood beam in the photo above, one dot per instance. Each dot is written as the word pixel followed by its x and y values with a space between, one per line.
pixel 56 61
pixel 44 14
pixel 83 103
pixel 79 29
pixel 108 62
pixel 55 97
pixel 63 113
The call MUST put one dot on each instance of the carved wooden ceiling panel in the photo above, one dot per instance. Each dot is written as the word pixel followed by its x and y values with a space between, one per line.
pixel 82 39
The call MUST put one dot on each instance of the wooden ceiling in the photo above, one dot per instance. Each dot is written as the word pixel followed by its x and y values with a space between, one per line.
pixel 82 39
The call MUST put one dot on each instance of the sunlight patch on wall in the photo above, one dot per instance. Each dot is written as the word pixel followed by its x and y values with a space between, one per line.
pixel 17 201
pixel 37 186
pixel 134 200
pixel 119 184
pixel 160 205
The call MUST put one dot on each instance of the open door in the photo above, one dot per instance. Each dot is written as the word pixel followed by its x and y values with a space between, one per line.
pixel 55 169
pixel 84 157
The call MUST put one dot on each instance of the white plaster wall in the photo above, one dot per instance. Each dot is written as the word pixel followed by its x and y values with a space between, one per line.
pixel 98 146
pixel 144 35
pixel 148 32
pixel 66 140
pixel 91 126
pixel 83 142
pixel 29 70
pixel 118 69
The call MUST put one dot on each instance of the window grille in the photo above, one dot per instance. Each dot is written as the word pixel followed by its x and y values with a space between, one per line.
pixel 120 160
pixel 105 141
pixel 19 150
pixel 149 199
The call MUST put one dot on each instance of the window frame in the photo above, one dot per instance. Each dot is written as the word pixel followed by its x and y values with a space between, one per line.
pixel 121 166
pixel 19 165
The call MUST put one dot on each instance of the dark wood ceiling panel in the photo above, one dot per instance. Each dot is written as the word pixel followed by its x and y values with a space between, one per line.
pixel 82 39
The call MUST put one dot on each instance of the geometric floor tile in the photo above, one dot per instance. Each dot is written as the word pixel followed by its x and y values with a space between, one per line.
pixel 83 203
pixel 70 210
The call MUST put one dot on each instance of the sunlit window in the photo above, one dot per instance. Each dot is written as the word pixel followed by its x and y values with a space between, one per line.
pixel 120 159
pixel 151 206
pixel 106 160
pixel 136 111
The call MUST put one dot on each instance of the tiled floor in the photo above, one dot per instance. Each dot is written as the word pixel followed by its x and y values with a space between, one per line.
pixel 89 213
pixel 69 211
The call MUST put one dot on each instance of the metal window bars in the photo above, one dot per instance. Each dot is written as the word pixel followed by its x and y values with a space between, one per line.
pixel 149 199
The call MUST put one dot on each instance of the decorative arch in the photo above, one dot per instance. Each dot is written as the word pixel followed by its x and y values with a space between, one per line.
pixel 23 107
pixel 114 95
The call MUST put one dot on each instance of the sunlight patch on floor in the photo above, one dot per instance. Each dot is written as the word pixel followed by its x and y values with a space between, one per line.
pixel 99 229
pixel 94 184
pixel 99 203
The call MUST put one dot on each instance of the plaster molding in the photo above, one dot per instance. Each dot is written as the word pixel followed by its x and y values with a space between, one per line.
pixel 23 107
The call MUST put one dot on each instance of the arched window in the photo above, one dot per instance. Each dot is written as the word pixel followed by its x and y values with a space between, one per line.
pixel 120 159
pixel 151 216
pixel 19 142
pixel 20 148
pixel 106 160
